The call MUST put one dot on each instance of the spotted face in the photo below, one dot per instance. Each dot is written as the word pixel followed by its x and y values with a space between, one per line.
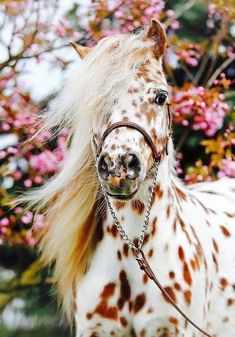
pixel 142 97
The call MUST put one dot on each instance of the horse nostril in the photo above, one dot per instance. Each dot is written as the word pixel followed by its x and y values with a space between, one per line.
pixel 103 167
pixel 132 165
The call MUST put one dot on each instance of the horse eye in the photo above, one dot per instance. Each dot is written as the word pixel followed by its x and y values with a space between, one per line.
pixel 161 98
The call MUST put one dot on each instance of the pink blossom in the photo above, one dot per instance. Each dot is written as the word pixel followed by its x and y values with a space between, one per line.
pixel 28 183
pixel 5 126
pixel 38 180
pixel 18 210
pixel 228 168
pixel 4 222
pixel 204 109
pixel 45 162
pixel 27 218
pixel 39 222
pixel 12 150
pixel 61 31
pixel 29 239
pixel 2 154
pixel 17 175
pixel 190 54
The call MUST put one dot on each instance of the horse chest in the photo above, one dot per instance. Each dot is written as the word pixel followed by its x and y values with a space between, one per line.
pixel 194 262
pixel 115 297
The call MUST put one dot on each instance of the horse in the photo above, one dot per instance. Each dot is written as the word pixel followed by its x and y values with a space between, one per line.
pixel 117 190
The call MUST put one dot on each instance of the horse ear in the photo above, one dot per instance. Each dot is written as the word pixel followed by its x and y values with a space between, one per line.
pixel 157 33
pixel 81 50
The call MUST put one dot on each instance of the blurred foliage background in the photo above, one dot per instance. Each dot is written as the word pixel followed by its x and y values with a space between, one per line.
pixel 34 57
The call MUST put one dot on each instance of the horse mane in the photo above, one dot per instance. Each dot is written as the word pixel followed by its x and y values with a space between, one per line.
pixel 68 200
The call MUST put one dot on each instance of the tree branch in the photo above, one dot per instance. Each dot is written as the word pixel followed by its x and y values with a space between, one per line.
pixel 187 6
pixel 219 70
pixel 182 139
pixel 21 56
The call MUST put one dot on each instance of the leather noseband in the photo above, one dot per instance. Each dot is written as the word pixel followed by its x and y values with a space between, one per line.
pixel 156 155
pixel 131 125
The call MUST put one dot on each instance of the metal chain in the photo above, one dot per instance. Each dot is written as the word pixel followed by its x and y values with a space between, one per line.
pixel 144 229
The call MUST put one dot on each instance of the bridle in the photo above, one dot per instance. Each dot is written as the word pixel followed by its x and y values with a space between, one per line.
pixel 137 247
pixel 130 125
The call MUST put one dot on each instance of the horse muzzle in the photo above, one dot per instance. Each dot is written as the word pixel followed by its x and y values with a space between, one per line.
pixel 120 175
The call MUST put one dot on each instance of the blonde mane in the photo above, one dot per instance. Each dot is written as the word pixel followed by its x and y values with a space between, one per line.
pixel 68 200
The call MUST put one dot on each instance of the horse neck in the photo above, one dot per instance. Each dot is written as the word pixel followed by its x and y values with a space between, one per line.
pixel 131 214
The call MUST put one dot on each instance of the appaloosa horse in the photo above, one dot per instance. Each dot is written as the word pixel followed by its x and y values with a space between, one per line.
pixel 118 188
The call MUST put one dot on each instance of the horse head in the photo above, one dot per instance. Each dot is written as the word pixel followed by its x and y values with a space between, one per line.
pixel 137 106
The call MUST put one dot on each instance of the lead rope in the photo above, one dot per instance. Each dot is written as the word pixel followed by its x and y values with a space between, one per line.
pixel 138 252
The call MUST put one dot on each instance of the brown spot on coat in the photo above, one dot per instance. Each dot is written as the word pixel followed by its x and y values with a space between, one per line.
pixel 154 225
pixel 197 262
pixel 150 253
pixel 187 274
pixel 215 245
pixel 119 204
pixel 108 290
pixel 94 334
pixel 151 114
pixel 177 286
pixel 215 262
pixel 146 238
pixel 103 309
pixel 223 282
pixel 145 278
pixel 143 72
pixel 188 296
pixel 168 210
pixel 173 320
pixel 125 249
pixel 137 206
pixel 107 312
pixel 125 290
pixel 171 275
pixel 225 231
pixel 134 103
pixel 114 231
pixel 193 264
pixel 119 255
pixel 126 119
pixel 139 302
pixel 158 192
pixel 181 253
pixel 123 321
pixel 230 302
pixel 171 294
